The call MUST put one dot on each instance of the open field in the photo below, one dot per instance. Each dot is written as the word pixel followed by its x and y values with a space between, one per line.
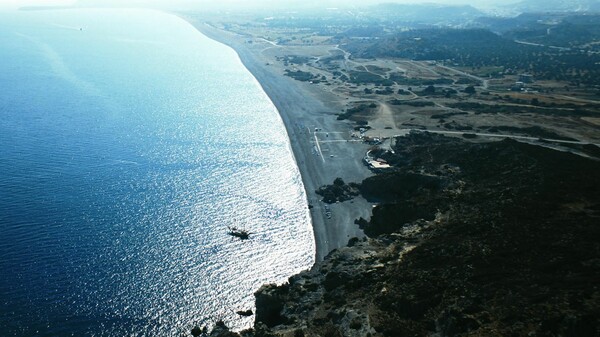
pixel 398 88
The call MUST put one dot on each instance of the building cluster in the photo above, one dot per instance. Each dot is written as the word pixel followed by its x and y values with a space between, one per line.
pixel 376 164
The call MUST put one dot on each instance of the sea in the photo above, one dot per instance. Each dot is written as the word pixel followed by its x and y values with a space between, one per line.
pixel 129 142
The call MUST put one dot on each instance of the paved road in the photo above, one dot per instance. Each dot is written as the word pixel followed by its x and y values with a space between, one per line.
pixel 405 131
pixel 484 82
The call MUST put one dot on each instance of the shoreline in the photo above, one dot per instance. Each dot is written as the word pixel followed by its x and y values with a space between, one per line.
pixel 301 112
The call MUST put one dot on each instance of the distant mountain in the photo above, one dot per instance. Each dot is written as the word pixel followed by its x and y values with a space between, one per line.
pixel 579 30
pixel 426 13
pixel 558 6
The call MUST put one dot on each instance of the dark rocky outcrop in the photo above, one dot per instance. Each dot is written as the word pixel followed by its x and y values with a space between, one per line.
pixel 503 242
pixel 269 305
pixel 339 191
pixel 394 186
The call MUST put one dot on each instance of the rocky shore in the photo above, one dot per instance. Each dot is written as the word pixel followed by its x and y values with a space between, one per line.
pixel 486 239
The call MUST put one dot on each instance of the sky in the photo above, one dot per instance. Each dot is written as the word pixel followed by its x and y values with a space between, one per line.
pixel 20 3
pixel 233 3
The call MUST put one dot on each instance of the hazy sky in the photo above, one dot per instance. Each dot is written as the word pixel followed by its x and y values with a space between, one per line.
pixel 19 3
pixel 238 3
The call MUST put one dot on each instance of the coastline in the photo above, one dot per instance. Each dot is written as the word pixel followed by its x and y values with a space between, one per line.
pixel 302 110
pixel 448 268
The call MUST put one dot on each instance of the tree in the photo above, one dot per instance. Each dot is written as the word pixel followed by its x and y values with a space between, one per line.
pixel 339 182
pixel 429 90
pixel 470 90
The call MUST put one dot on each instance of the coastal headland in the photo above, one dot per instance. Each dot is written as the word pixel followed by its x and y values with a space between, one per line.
pixel 484 224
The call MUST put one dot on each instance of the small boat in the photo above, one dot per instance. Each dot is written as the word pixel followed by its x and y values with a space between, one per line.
pixel 242 234
pixel 245 313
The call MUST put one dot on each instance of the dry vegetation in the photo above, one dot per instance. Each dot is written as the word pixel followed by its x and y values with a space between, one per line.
pixel 411 94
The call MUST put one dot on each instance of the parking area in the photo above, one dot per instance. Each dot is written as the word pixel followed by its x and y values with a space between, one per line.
pixel 323 141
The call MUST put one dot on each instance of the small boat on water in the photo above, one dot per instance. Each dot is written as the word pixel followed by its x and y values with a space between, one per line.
pixel 245 313
pixel 242 234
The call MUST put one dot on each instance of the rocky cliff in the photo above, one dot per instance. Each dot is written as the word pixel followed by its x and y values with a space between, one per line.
pixel 469 239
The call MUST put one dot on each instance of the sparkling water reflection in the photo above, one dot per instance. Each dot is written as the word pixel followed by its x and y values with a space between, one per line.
pixel 126 149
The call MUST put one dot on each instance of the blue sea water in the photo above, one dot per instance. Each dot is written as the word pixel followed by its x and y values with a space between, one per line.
pixel 128 143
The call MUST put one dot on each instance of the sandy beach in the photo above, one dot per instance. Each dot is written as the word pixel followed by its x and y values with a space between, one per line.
pixel 323 146
pixel 320 143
